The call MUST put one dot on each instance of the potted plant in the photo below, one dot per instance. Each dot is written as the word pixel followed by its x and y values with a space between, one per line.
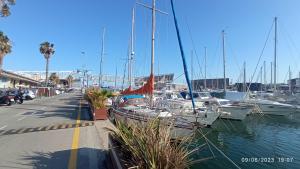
pixel 150 145
pixel 97 99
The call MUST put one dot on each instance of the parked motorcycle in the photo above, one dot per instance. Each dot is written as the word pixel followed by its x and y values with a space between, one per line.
pixel 18 97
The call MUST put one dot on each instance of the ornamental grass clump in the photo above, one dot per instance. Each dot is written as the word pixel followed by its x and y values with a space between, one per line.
pixel 97 97
pixel 150 146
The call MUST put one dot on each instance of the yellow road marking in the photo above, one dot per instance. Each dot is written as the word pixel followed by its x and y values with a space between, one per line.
pixel 75 143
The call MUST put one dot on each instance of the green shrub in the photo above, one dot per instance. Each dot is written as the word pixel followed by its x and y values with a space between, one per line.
pixel 97 97
pixel 151 146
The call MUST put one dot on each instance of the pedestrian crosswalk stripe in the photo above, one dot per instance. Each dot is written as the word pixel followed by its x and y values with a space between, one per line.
pixel 20 131
pixel 11 131
pixel 63 126
pixel 54 127
pixel 40 128
pixel 45 128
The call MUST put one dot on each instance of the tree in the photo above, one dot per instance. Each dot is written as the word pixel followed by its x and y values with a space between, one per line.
pixel 47 49
pixel 70 80
pixel 54 78
pixel 5 47
pixel 4 5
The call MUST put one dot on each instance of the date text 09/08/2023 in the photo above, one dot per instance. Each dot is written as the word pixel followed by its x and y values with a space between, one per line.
pixel 267 159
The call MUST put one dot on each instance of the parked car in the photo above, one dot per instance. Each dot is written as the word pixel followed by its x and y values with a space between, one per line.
pixel 29 95
pixel 57 92
pixel 16 94
pixel 6 98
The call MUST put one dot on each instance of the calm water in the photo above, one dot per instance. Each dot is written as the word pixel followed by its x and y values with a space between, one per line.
pixel 264 137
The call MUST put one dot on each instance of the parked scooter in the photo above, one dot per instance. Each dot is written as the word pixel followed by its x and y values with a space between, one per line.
pixel 19 98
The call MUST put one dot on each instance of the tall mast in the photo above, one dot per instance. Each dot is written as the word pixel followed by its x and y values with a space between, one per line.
pixel 101 59
pixel 261 78
pixel 153 36
pixel 244 83
pixel 290 78
pixel 116 74
pixel 152 44
pixel 265 77
pixel 275 55
pixel 131 55
pixel 205 68
pixel 224 61
pixel 271 82
pixel 192 74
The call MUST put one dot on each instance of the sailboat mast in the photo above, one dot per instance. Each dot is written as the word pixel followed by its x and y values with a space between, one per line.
pixel 205 68
pixel 275 55
pixel 271 82
pixel 152 44
pixel 101 59
pixel 244 84
pixel 116 74
pixel 224 61
pixel 131 47
pixel 265 77
pixel 290 82
pixel 192 74
pixel 261 78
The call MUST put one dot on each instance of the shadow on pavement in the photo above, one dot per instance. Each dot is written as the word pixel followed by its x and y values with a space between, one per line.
pixel 67 110
pixel 87 158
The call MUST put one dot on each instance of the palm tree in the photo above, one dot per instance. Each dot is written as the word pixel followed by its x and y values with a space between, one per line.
pixel 47 49
pixel 54 78
pixel 5 47
pixel 70 80
pixel 5 10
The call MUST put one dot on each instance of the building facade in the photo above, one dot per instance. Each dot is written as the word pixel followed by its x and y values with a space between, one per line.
pixel 13 80
pixel 217 83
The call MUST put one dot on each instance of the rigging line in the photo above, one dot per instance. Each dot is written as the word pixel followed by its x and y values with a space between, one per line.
pixel 234 55
pixel 260 56
pixel 205 138
pixel 289 38
pixel 221 152
pixel 194 47
pixel 178 76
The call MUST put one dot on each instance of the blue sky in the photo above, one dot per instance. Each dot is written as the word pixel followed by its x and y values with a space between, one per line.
pixel 77 26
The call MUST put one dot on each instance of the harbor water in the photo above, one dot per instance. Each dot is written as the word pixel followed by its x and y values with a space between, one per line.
pixel 260 142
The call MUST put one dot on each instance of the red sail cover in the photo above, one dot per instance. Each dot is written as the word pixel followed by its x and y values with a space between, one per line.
pixel 146 89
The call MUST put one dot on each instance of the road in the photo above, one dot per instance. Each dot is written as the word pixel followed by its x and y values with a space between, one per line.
pixel 52 133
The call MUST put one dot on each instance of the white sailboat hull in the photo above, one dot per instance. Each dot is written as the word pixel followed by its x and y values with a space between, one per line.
pixel 280 110
pixel 234 113
pixel 183 124
pixel 274 108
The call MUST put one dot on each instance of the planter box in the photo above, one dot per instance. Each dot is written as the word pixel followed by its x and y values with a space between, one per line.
pixel 118 158
pixel 97 114
pixel 114 154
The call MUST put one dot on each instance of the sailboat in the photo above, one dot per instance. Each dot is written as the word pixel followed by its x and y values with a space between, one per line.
pixel 269 106
pixel 137 106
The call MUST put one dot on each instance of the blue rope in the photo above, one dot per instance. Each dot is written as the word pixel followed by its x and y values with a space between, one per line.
pixel 183 57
